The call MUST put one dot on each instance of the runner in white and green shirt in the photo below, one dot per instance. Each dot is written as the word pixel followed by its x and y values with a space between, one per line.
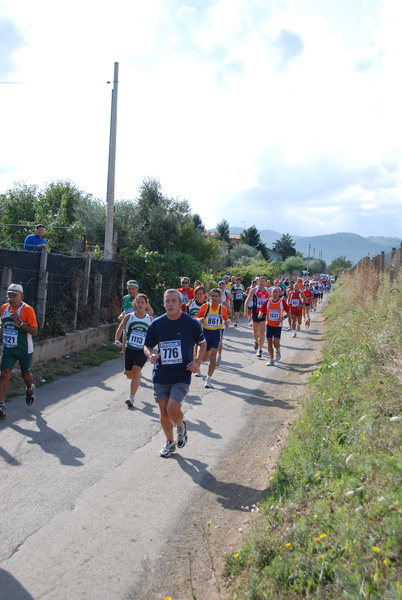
pixel 128 299
pixel 136 325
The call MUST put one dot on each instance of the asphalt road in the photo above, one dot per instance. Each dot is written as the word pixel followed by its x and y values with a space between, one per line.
pixel 87 504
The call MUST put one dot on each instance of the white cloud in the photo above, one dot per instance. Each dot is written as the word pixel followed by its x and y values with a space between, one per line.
pixel 238 107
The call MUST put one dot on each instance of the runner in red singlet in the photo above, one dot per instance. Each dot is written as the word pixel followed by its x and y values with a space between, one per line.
pixel 296 298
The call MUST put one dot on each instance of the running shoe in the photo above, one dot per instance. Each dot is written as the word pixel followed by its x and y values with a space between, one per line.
pixel 167 449
pixel 208 383
pixel 182 436
pixel 270 363
pixel 255 345
pixel 219 360
pixel 130 401
pixel 259 353
pixel 294 334
pixel 298 328
pixel 3 412
pixel 198 373
pixel 235 323
pixel 30 396
pixel 278 355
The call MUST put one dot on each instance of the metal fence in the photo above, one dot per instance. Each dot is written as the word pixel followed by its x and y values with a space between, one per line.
pixel 68 293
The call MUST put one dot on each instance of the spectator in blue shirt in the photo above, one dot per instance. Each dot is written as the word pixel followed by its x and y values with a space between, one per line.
pixel 36 241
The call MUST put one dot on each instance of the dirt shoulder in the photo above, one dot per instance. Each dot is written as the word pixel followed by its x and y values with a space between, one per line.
pixel 220 518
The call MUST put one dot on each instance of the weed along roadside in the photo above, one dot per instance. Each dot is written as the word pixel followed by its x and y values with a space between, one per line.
pixel 331 524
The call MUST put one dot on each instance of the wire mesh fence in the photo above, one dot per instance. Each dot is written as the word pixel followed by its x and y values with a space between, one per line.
pixel 67 292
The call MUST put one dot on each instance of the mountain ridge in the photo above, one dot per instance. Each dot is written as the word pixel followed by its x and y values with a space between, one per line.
pixel 330 246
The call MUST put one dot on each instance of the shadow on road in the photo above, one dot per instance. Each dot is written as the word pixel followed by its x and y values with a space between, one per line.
pixel 258 397
pixel 9 459
pixel 232 496
pixel 11 589
pixel 51 441
pixel 204 429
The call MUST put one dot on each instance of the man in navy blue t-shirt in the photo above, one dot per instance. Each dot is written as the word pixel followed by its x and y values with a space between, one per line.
pixel 176 334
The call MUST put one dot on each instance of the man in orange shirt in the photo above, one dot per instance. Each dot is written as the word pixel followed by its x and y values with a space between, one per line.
pixel 211 316
pixel 18 326
pixel 274 308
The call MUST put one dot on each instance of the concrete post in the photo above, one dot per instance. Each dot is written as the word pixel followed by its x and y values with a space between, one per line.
pixel 382 261
pixel 42 289
pixel 392 269
pixel 87 272
pixel 6 276
pixel 97 295
pixel 75 289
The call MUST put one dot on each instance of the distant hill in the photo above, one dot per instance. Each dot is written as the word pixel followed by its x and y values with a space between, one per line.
pixel 386 243
pixel 350 245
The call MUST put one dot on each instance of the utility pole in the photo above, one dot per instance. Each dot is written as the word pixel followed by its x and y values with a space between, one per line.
pixel 109 249
pixel 308 260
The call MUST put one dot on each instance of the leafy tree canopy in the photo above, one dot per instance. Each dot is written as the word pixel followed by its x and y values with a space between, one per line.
pixel 316 266
pixel 251 237
pixel 223 231
pixel 338 265
pixel 198 224
pixel 294 263
pixel 285 246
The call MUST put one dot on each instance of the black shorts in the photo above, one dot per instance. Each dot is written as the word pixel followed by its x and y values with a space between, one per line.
pixel 256 318
pixel 134 358
pixel 273 332
pixel 237 305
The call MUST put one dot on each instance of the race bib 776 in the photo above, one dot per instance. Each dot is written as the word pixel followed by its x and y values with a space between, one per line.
pixel 171 353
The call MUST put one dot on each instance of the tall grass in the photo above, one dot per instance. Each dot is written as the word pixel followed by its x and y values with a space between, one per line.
pixel 331 526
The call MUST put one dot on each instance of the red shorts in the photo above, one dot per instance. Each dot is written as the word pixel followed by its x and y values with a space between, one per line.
pixel 298 311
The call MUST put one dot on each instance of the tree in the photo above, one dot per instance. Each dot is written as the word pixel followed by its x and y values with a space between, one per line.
pixel 285 246
pixel 159 219
pixel 57 210
pixel 198 224
pixel 58 202
pixel 294 263
pixel 222 259
pixel 223 231
pixel 90 212
pixel 338 265
pixel 155 272
pixel 316 265
pixel 244 254
pixel 17 207
pixel 251 236
pixel 19 204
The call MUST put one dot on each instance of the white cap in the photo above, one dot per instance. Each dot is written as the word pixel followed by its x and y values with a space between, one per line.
pixel 15 288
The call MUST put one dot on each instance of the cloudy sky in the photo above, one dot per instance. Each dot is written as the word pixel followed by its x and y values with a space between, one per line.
pixel 284 114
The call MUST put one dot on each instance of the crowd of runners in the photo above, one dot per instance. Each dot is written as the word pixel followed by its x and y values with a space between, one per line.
pixel 191 332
